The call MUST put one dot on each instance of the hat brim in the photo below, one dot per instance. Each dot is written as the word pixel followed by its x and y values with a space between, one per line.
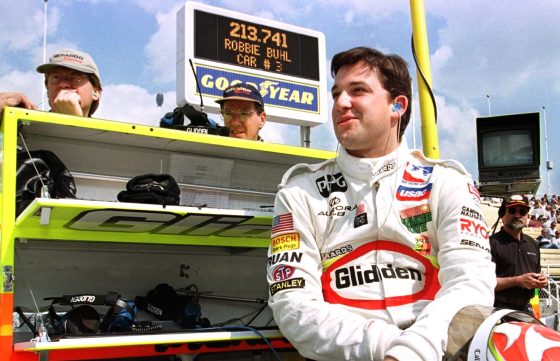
pixel 220 101
pixel 45 68
pixel 517 204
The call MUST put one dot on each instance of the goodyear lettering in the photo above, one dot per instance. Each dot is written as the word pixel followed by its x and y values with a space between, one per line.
pixel 474 228
pixel 471 213
pixel 354 275
pixel 286 285
pixel 336 252
pixel 292 257
pixel 82 299
pixel 275 92
pixel 285 242
pixel 468 242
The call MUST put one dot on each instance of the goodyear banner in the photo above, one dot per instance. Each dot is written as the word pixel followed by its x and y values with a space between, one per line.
pixel 275 92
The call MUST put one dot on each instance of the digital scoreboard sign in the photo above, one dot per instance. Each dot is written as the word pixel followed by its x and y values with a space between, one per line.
pixel 251 45
pixel 286 63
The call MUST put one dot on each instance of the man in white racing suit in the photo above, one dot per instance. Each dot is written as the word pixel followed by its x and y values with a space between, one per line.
pixel 373 252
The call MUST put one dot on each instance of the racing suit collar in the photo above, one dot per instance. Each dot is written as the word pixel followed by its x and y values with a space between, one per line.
pixel 372 168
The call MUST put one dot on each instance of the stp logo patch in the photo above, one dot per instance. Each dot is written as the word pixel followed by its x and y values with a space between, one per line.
pixel 283 272
pixel 355 280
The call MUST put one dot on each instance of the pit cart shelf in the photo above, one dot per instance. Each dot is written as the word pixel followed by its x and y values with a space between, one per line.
pixel 153 345
pixel 216 239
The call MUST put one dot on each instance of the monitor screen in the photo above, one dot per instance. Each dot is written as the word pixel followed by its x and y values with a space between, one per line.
pixel 507 148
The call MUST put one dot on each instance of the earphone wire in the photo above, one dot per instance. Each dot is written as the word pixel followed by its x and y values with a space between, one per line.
pixel 396 170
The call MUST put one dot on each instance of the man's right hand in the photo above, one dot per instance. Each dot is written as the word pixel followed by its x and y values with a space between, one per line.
pixel 12 99
pixel 532 280
pixel 68 102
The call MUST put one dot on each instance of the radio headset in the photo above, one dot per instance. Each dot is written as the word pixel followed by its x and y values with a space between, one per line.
pixel 199 119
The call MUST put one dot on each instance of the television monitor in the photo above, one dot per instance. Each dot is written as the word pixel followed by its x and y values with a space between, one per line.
pixel 508 153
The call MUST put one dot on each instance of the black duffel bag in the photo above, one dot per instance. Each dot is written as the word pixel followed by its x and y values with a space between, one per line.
pixel 151 188
pixel 42 169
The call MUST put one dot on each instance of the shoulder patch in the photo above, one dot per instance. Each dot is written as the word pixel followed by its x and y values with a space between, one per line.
pixel 448 163
pixel 303 168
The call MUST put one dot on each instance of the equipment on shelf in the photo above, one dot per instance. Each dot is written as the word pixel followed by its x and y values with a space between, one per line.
pixel 40 173
pixel 166 304
pixel 151 188
pixel 84 319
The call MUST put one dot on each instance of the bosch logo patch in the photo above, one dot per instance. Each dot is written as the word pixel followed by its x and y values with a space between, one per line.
pixel 331 183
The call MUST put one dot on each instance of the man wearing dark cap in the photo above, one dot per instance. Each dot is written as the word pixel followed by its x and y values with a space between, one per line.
pixel 242 108
pixel 517 257
pixel 73 83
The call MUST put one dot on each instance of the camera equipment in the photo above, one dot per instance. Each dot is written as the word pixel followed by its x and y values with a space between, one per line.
pixel 199 119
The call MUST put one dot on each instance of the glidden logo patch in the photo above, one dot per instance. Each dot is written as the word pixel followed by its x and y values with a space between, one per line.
pixel 355 280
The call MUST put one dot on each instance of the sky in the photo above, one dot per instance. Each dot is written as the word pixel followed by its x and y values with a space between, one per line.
pixel 487 57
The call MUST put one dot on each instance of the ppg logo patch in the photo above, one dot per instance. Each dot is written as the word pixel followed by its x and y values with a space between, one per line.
pixel 331 183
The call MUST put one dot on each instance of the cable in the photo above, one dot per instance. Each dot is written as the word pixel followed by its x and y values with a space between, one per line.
pixel 423 77
pixel 247 328
pixel 32 162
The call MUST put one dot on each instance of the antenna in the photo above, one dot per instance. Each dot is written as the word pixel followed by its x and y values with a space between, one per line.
pixel 197 86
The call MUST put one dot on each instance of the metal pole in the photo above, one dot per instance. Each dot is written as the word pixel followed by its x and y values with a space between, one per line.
pixel 546 152
pixel 413 122
pixel 305 136
pixel 427 109
pixel 43 100
pixel 489 109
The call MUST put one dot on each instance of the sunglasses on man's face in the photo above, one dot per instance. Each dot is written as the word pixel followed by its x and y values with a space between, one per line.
pixel 522 211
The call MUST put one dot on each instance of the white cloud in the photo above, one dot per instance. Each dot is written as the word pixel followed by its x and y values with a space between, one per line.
pixel 161 48
pixel 131 103
pixel 30 83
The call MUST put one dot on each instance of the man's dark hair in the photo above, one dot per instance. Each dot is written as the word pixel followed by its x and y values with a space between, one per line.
pixel 392 71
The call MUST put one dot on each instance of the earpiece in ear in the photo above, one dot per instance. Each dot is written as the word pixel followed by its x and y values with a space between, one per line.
pixel 95 93
pixel 396 107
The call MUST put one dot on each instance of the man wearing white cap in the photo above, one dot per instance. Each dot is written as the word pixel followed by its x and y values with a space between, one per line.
pixel 73 83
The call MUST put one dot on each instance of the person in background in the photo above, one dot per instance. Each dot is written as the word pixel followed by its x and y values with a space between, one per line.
pixel 534 222
pixel 73 83
pixel 13 99
pixel 242 108
pixel 517 257
pixel 375 251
